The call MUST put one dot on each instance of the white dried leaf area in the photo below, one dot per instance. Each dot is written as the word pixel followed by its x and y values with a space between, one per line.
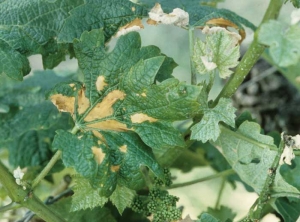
pixel 207 63
pixel 18 175
pixel 288 152
pixel 177 17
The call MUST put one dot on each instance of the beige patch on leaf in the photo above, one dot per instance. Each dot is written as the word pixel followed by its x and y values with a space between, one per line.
pixel 115 168
pixel 104 108
pixel 98 154
pixel 63 103
pixel 141 117
pixel 109 125
pixel 100 83
pixel 134 25
pixel 83 102
pixel 123 148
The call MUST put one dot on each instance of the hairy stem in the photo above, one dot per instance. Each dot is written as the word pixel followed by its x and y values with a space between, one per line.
pixel 251 56
pixel 265 194
pixel 26 198
pixel 191 47
pixel 49 166
pixel 221 174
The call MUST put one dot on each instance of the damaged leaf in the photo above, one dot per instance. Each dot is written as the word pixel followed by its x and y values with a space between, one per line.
pixel 218 53
pixel 107 15
pixel 251 155
pixel 121 111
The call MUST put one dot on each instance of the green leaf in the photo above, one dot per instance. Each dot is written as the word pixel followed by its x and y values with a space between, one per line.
pixel 121 111
pixel 33 148
pixel 218 53
pixel 288 209
pixel 107 163
pixel 122 197
pixel 63 207
pixel 223 213
pixel 85 196
pixel 29 28
pixel 284 42
pixel 200 15
pixel 205 217
pixel 107 15
pixel 251 154
pixel 208 128
pixel 291 174
pixel 13 64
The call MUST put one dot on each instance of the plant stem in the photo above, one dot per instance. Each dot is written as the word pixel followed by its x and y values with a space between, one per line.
pixel 26 198
pixel 221 174
pixel 265 194
pixel 10 206
pixel 46 169
pixel 251 56
pixel 191 48
pixel 51 163
pixel 220 193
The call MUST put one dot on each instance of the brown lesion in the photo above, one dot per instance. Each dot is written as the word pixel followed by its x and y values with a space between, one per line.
pixel 63 103
pixel 225 24
pixel 123 148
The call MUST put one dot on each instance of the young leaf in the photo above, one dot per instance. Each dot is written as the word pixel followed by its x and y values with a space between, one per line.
pixel 122 197
pixel 85 196
pixel 296 3
pixel 220 52
pixel 284 43
pixel 107 15
pixel 251 154
pixel 27 29
pixel 208 127
pixel 223 213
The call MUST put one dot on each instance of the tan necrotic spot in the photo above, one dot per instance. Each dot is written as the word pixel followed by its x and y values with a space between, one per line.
pixel 104 108
pixel 123 148
pixel 115 168
pixel 83 102
pixel 100 83
pixel 141 117
pixel 63 103
pixel 98 154
pixel 71 85
pixel 143 94
pixel 109 125
pixel 134 25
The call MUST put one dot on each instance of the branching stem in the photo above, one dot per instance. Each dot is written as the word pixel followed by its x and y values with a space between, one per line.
pixel 221 174
pixel 11 206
